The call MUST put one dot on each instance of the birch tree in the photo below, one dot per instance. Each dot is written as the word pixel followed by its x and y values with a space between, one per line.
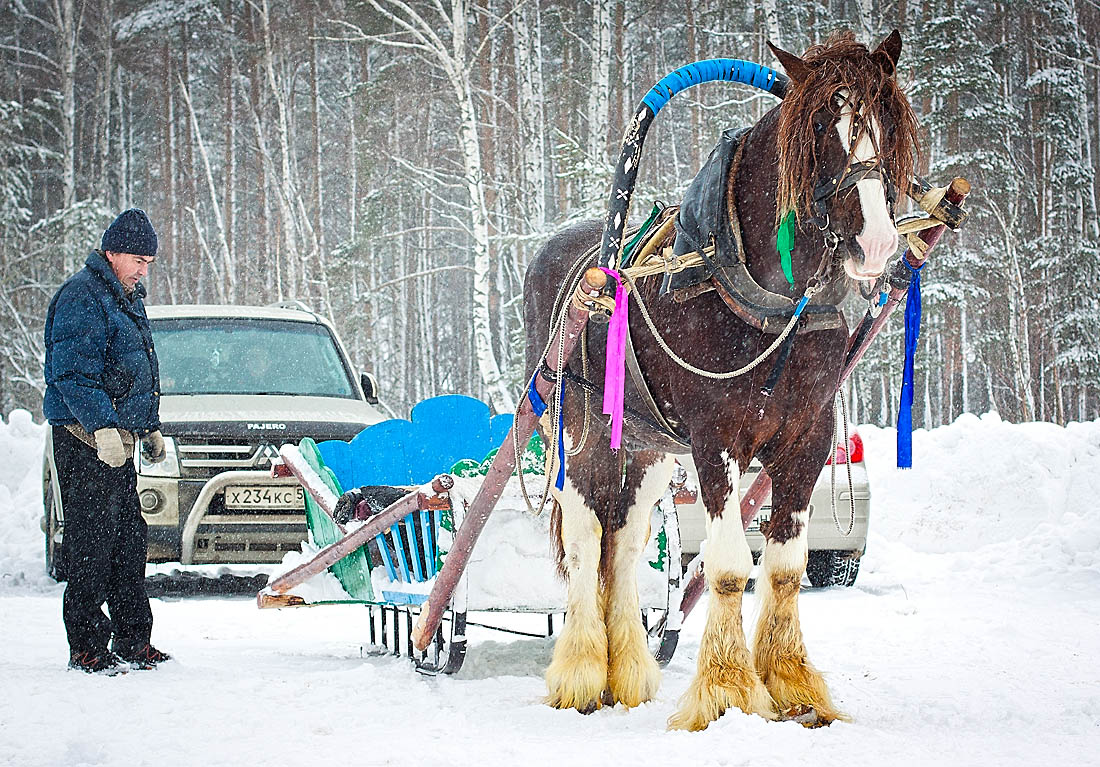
pixel 451 54
pixel 599 102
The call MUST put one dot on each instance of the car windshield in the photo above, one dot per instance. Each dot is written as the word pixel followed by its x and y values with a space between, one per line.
pixel 239 355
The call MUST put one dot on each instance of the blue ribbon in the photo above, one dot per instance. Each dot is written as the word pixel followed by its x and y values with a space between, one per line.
pixel 912 333
pixel 539 407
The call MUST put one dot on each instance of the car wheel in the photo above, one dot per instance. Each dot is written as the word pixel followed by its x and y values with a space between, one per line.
pixel 833 568
pixel 54 531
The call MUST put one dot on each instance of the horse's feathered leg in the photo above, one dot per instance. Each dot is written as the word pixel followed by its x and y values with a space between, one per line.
pixel 633 673
pixel 577 675
pixel 798 688
pixel 725 677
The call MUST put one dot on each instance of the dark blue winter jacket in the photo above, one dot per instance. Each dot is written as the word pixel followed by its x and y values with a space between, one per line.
pixel 101 369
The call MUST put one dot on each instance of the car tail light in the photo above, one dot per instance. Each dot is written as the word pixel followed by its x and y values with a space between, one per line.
pixel 855 447
pixel 855 451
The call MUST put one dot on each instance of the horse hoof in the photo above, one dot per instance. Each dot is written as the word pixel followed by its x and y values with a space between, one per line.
pixel 584 707
pixel 807 716
pixel 704 703
pixel 633 684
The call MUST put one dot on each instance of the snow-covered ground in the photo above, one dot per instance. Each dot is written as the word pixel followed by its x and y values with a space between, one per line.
pixel 971 637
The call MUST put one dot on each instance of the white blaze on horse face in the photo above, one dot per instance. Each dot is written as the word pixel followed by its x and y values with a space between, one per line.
pixel 879 238
pixel 727 551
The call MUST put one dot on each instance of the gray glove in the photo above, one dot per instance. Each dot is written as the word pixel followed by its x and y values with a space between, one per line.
pixel 152 447
pixel 109 447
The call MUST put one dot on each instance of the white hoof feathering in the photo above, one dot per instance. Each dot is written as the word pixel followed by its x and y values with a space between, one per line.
pixel 726 677
pixel 633 673
pixel 577 675
pixel 798 689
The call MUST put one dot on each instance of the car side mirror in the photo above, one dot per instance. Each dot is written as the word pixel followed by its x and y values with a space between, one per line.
pixel 370 387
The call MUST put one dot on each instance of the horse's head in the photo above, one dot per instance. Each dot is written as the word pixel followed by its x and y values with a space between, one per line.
pixel 847 139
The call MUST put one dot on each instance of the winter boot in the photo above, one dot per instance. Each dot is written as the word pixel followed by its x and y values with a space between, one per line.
pixel 103 662
pixel 140 655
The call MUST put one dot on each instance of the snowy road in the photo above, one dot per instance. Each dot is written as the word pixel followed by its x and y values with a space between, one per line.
pixel 950 650
pixel 932 672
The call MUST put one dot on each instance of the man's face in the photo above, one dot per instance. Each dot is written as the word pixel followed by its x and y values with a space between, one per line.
pixel 129 268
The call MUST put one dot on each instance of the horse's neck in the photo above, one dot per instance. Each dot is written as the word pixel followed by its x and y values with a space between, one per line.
pixel 755 188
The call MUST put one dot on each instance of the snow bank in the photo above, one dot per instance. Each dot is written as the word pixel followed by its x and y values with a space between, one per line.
pixel 21 538
pixel 1017 498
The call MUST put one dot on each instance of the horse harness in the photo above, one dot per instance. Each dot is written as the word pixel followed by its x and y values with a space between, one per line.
pixel 672 245
pixel 707 225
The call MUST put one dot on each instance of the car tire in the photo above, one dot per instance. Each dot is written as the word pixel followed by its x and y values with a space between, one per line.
pixel 833 568
pixel 55 540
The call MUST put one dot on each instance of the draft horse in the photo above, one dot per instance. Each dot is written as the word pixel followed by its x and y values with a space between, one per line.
pixel 831 152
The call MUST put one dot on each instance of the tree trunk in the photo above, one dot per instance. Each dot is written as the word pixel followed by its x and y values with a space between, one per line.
pixel 106 80
pixel 599 87
pixel 770 12
pixel 68 31
pixel 529 90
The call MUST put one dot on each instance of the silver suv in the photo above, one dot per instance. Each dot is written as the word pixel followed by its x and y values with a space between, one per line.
pixel 237 382
pixel 837 537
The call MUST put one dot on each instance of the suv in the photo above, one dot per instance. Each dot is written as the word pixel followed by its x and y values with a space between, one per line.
pixel 835 549
pixel 237 382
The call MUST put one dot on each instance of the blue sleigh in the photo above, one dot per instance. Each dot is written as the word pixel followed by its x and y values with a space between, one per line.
pixel 449 441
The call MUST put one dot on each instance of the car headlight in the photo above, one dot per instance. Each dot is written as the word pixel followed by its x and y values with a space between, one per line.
pixel 169 467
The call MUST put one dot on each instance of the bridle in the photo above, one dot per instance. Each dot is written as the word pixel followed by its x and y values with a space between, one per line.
pixel 829 187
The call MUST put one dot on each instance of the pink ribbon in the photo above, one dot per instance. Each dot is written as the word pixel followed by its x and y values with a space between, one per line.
pixel 614 380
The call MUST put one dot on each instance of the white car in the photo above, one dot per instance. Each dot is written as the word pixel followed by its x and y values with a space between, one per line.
pixel 237 382
pixel 837 534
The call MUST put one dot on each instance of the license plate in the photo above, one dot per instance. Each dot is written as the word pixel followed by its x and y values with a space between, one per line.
pixel 264 497
pixel 763 516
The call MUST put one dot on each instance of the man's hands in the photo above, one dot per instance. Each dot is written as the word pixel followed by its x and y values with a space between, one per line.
pixel 109 447
pixel 152 447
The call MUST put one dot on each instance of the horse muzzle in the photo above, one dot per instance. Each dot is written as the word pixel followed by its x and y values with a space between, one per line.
pixel 868 260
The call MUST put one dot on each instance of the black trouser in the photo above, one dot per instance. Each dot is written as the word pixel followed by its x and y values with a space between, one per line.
pixel 104 548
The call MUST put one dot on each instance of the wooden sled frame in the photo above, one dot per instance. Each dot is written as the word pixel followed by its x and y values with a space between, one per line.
pixel 391 618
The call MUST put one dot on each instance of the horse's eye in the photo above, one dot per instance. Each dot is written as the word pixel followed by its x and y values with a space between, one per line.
pixel 820 126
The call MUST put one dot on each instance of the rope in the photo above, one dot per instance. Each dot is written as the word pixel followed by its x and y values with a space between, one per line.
pixel 556 329
pixel 587 398
pixel 848 466
pixel 811 290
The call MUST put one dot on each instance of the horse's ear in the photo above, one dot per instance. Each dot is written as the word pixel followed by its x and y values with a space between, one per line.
pixel 888 52
pixel 795 67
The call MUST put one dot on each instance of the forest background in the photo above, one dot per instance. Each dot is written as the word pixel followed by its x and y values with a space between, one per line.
pixel 394 164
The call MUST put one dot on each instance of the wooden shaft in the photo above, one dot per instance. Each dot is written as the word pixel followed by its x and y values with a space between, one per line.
pixel 956 192
pixel 753 500
pixel 454 564
pixel 754 497
pixel 332 554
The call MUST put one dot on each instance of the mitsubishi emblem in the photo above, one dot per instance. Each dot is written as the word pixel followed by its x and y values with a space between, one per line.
pixel 266 454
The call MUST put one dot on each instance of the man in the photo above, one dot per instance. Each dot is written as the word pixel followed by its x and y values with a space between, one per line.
pixel 102 394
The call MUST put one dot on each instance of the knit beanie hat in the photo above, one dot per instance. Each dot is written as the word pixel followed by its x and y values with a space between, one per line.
pixel 132 233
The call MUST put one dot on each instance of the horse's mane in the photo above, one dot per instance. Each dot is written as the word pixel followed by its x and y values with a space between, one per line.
pixel 840 63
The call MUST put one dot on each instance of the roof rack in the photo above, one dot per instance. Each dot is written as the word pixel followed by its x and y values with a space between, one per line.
pixel 291 304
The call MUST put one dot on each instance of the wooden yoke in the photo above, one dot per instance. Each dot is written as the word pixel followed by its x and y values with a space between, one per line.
pixel 858 342
pixel 585 300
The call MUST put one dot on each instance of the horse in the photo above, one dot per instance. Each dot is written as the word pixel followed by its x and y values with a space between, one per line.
pixel 825 160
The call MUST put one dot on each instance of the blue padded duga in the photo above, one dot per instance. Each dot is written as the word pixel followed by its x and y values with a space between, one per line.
pixel 442 431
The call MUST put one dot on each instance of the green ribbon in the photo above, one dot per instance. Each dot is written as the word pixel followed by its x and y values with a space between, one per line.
pixel 784 243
